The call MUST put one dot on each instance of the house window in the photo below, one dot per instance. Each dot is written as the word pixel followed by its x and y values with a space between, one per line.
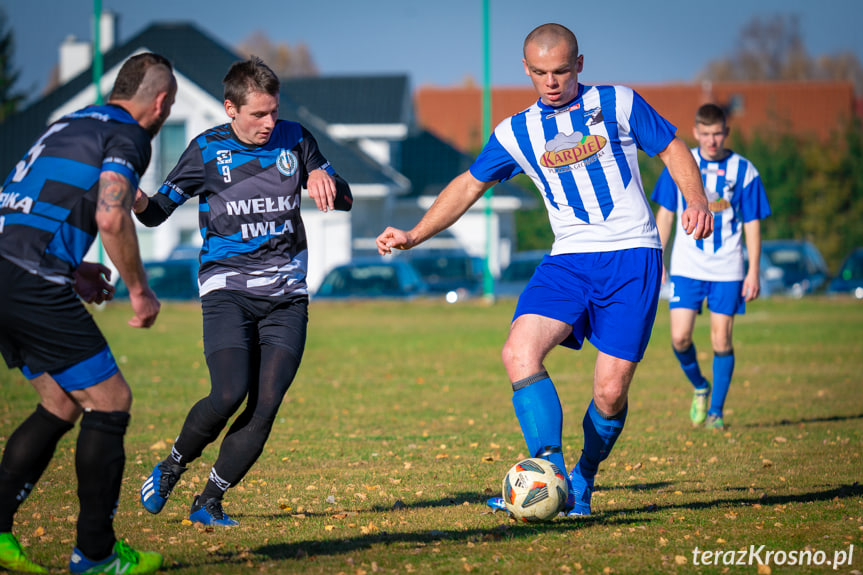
pixel 172 143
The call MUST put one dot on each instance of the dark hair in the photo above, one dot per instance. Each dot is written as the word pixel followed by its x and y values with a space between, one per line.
pixel 249 76
pixel 710 114
pixel 550 34
pixel 132 74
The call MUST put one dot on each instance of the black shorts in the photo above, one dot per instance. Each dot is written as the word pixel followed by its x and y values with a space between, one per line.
pixel 43 325
pixel 237 320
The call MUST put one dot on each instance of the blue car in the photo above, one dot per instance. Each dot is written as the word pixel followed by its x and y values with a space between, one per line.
pixel 390 278
pixel 804 270
pixel 849 280
pixel 170 279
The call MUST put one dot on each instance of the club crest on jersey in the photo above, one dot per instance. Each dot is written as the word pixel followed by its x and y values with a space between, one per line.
pixel 567 149
pixel 287 163
pixel 223 157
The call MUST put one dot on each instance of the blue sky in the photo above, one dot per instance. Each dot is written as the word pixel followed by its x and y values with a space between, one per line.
pixel 440 43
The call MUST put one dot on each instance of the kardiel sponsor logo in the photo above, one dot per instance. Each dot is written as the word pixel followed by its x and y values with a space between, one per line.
pixel 583 148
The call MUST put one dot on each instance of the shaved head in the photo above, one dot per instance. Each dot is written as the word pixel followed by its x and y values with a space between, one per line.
pixel 143 75
pixel 550 35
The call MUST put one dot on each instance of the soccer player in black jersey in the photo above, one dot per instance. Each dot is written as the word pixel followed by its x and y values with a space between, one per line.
pixel 247 176
pixel 78 179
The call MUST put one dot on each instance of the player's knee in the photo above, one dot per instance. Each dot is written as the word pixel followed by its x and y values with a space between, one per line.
pixel 609 399
pixel 681 342
pixel 227 402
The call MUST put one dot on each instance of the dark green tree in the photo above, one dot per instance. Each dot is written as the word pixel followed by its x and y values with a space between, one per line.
pixel 9 97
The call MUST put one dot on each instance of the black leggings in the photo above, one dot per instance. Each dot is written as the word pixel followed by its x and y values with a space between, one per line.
pixel 260 373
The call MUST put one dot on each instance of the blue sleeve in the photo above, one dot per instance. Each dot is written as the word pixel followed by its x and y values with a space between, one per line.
pixel 754 204
pixel 651 132
pixel 494 163
pixel 665 191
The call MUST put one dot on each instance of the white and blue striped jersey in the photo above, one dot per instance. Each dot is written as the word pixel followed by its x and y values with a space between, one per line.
pixel 736 195
pixel 583 159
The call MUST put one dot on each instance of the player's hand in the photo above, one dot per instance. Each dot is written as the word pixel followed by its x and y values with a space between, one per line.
pixel 141 201
pixel 146 306
pixel 751 287
pixel 697 221
pixel 93 283
pixel 322 189
pixel 393 238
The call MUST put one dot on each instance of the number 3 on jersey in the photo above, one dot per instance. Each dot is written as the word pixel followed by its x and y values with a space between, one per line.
pixel 226 174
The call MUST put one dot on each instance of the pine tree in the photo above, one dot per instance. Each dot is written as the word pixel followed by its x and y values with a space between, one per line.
pixel 9 97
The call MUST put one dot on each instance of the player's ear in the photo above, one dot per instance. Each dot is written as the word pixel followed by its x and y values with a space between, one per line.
pixel 230 109
pixel 526 70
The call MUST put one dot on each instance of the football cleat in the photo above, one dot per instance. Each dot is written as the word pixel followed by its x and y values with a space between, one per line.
pixel 210 513
pixel 578 499
pixel 124 560
pixel 157 488
pixel 496 504
pixel 698 410
pixel 714 422
pixel 12 557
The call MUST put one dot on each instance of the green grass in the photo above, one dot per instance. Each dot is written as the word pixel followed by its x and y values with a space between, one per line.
pixel 400 425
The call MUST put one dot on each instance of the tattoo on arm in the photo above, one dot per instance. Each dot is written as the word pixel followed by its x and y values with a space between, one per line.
pixel 115 192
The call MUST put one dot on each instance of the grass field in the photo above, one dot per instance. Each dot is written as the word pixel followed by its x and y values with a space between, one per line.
pixel 400 425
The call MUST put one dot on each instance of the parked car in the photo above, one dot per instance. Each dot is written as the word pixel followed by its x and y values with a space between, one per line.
pixel 770 276
pixel 390 278
pixel 849 280
pixel 459 276
pixel 519 271
pixel 804 270
pixel 170 279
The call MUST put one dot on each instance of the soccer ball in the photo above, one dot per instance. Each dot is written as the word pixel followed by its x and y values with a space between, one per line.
pixel 534 490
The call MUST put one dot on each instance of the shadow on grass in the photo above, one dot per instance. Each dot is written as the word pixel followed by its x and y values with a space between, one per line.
pixel 507 530
pixel 784 422
pixel 840 492
pixel 503 529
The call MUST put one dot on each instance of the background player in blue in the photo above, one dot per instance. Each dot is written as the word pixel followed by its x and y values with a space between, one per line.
pixel 601 282
pixel 713 269
pixel 248 177
pixel 78 179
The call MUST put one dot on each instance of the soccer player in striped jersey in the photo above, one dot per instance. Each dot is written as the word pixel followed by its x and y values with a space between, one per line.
pixel 601 281
pixel 78 180
pixel 248 176
pixel 712 269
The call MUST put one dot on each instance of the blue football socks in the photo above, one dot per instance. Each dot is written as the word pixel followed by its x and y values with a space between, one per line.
pixel 689 364
pixel 723 368
pixel 538 410
pixel 600 433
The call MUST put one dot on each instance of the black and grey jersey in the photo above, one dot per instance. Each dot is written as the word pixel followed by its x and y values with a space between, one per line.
pixel 48 202
pixel 249 207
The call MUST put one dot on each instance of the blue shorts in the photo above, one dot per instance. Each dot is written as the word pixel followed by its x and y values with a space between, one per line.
pixel 83 374
pixel 607 297
pixel 722 297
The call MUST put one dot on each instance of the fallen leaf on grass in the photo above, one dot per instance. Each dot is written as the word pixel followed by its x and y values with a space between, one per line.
pixel 764 569
pixel 680 559
pixel 778 440
pixel 158 445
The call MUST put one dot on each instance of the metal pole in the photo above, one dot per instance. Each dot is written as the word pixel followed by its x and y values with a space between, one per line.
pixel 488 280
pixel 97 49
pixel 97 82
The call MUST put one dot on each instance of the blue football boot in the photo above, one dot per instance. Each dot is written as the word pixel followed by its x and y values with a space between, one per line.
pixel 157 487
pixel 210 513
pixel 578 499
